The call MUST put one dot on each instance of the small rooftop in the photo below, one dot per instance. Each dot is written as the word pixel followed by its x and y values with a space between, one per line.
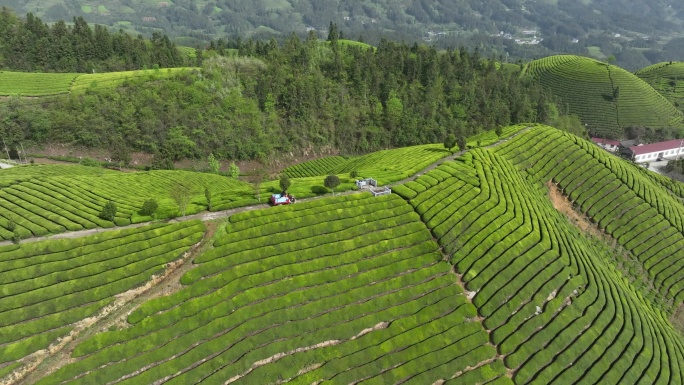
pixel 606 141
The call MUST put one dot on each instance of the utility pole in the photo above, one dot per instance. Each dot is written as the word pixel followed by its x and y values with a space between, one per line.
pixel 6 149
pixel 23 152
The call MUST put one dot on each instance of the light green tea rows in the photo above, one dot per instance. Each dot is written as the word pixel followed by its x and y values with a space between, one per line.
pixel 45 84
pixel 45 201
pixel 641 215
pixel 35 84
pixel 344 290
pixel 115 79
pixel 314 167
pixel 555 307
pixel 46 287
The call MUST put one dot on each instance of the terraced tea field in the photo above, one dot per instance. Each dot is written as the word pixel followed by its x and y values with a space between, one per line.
pixel 115 79
pixel 35 84
pixel 556 307
pixel 344 290
pixel 390 165
pixel 46 84
pixel 48 288
pixel 467 275
pixel 666 78
pixel 315 167
pixel 643 216
pixel 606 97
pixel 393 165
pixel 43 200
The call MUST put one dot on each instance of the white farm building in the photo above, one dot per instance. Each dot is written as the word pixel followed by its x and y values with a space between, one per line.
pixel 607 144
pixel 672 149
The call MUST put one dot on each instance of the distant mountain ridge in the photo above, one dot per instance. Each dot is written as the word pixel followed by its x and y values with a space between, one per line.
pixel 443 22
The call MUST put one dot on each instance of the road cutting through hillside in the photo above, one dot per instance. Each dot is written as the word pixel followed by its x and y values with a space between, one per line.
pixel 210 216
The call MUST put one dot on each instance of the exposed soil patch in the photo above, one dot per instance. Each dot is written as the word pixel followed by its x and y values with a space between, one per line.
pixel 627 263
pixel 677 319
pixel 563 205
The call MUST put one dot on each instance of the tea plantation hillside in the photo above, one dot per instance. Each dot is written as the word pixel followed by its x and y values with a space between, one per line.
pixel 48 288
pixel 607 98
pixel 344 290
pixel 468 275
pixel 395 164
pixel 47 199
pixel 666 78
pixel 555 304
pixel 645 217
pixel 45 84
pixel 390 165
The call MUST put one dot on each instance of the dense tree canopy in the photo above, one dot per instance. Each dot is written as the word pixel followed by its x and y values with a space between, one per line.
pixel 291 97
pixel 31 45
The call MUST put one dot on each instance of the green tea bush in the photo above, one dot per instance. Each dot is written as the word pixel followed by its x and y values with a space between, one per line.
pixel 557 307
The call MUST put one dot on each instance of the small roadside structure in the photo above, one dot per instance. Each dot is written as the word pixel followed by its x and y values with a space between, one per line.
pixel 372 186
pixel 366 183
pixel 607 144
pixel 377 191
pixel 282 199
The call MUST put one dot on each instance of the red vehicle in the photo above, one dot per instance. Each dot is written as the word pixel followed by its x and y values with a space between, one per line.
pixel 282 199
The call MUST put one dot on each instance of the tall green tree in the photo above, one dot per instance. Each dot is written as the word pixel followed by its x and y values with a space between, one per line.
pixel 285 182
pixel 331 181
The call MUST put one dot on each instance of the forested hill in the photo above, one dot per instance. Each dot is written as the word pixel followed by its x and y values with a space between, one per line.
pixel 642 26
pixel 29 44
pixel 301 96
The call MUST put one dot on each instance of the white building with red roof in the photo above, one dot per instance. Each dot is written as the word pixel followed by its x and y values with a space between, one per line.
pixel 608 144
pixel 671 149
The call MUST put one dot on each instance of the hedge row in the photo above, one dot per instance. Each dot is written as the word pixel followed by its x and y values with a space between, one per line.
pixel 643 216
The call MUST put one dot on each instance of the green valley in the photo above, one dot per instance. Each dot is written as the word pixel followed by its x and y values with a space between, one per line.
pixel 304 210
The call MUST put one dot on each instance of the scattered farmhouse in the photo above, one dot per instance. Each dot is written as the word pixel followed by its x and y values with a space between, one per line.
pixel 607 144
pixel 671 149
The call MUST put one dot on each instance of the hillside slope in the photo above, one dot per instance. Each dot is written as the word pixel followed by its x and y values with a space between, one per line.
pixel 53 289
pixel 555 301
pixel 666 78
pixel 345 290
pixel 640 214
pixel 607 98
pixel 408 20
pixel 49 199
pixel 44 84
pixel 476 276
